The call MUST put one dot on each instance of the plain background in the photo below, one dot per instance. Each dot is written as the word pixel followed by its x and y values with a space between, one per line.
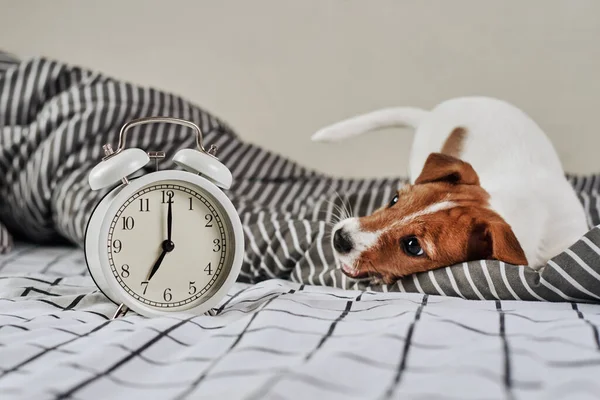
pixel 278 70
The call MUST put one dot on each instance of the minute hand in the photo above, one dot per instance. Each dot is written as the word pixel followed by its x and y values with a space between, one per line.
pixel 169 220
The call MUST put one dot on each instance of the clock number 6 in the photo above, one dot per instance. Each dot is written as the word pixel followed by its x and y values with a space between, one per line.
pixel 167 295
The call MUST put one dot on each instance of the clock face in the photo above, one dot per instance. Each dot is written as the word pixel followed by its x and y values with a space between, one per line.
pixel 170 245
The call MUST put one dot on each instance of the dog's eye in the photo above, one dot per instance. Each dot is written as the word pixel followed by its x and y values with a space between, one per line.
pixel 411 246
pixel 394 201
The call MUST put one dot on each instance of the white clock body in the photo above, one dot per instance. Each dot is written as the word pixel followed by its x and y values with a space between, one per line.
pixel 126 234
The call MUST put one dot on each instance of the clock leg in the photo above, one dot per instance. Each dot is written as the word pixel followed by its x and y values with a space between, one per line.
pixel 121 311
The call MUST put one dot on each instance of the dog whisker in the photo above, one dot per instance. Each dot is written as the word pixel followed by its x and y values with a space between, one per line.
pixel 337 214
pixel 346 212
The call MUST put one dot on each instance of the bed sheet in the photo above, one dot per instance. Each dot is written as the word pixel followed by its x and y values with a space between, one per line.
pixel 283 340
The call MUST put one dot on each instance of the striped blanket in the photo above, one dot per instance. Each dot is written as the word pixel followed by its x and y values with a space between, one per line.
pixel 55 117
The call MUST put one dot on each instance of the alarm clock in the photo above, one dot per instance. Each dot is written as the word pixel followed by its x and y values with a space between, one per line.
pixel 168 241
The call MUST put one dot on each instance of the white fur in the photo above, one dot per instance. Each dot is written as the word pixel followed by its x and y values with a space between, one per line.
pixel 403 116
pixel 433 208
pixel 364 240
pixel 516 163
pixel 361 240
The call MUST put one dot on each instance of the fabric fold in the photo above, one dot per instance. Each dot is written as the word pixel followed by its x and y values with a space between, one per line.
pixel 54 119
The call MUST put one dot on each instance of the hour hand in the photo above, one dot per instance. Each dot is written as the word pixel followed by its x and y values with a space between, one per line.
pixel 167 247
pixel 157 264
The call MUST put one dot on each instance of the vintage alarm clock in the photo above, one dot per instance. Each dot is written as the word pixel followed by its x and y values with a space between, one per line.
pixel 168 241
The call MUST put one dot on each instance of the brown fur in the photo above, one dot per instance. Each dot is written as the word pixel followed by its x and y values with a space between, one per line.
pixel 444 168
pixel 454 144
pixel 469 231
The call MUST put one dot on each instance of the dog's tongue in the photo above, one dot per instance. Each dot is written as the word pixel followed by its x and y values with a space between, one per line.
pixel 353 272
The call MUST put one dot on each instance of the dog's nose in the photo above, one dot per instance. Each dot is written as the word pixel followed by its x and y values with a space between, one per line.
pixel 342 242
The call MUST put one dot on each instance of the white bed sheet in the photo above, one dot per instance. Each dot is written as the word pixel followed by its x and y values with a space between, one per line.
pixel 283 340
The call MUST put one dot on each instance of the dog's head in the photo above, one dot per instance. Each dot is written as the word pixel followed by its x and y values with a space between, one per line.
pixel 441 220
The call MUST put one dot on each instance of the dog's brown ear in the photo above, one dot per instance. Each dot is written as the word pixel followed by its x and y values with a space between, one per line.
pixel 445 168
pixel 495 241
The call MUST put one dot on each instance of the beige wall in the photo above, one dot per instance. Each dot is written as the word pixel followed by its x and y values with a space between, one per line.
pixel 277 70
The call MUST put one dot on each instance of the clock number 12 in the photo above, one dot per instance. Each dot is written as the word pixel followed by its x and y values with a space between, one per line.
pixel 167 196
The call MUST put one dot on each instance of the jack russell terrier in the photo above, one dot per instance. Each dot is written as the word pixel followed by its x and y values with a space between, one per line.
pixel 485 183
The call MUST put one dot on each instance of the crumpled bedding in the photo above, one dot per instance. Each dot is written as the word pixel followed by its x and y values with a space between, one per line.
pixel 54 119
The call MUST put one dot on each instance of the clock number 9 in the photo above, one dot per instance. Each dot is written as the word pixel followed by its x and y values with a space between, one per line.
pixel 117 246
pixel 167 295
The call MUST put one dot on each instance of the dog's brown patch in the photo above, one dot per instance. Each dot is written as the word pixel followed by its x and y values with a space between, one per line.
pixel 454 143
pixel 463 231
pixel 444 168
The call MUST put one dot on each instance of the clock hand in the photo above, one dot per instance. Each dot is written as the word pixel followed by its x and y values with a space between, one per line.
pixel 167 245
pixel 157 263
pixel 169 220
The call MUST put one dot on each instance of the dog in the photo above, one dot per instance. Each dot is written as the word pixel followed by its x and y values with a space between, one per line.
pixel 485 183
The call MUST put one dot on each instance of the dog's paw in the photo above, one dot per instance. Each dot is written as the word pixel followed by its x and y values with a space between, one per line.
pixel 380 280
pixel 376 281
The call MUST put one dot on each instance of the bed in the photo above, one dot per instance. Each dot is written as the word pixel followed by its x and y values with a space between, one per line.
pixel 293 326
pixel 278 339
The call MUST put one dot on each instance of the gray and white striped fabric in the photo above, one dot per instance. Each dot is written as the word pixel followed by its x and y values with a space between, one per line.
pixel 7 61
pixel 54 119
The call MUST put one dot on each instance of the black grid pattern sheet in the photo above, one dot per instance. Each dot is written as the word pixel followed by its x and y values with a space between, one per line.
pixel 283 340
